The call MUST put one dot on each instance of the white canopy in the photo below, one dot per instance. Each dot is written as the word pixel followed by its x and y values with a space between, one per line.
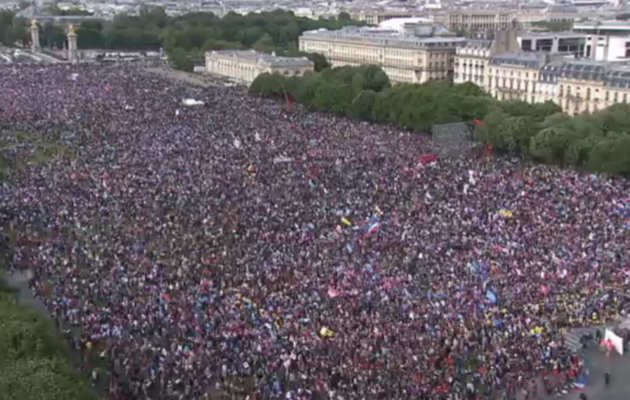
pixel 192 102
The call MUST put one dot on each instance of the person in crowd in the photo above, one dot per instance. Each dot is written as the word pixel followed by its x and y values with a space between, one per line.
pixel 248 250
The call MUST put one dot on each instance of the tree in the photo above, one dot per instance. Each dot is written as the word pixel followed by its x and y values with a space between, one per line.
pixel 362 105
pixel 611 156
pixel 265 44
pixel 374 78
pixel 270 85
pixel 180 59
pixel 554 26
pixel 33 360
pixel 344 17
pixel 318 59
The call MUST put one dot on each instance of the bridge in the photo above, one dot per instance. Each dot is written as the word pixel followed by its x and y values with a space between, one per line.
pixel 63 19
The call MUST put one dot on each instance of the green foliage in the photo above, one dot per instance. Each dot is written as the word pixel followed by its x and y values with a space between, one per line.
pixel 33 359
pixel 20 149
pixel 275 31
pixel 365 93
pixel 554 26
pixel 599 141
pixel 13 30
pixel 180 59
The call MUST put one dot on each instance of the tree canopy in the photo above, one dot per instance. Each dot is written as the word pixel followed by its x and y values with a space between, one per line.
pixel 185 37
pixel 365 93
pixel 599 141
pixel 554 26
pixel 34 362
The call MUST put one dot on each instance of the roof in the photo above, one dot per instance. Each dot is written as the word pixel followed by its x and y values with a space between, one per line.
pixel 610 74
pixel 398 23
pixel 519 59
pixel 479 44
pixel 552 35
pixel 618 76
pixel 381 37
pixel 602 24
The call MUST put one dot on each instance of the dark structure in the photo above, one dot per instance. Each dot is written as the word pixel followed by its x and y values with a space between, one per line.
pixel 451 139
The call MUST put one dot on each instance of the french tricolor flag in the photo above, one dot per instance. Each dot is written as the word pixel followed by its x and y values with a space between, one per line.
pixel 372 226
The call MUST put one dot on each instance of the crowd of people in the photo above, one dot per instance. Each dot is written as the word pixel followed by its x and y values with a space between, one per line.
pixel 247 246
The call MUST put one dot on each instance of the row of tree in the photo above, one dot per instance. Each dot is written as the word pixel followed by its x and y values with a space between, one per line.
pixel 13 30
pixel 599 141
pixel 34 361
pixel 365 93
pixel 185 37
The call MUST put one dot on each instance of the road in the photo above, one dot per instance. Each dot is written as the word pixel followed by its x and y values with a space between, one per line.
pixel 189 77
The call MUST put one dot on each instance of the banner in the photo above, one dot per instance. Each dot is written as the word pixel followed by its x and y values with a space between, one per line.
pixel 616 341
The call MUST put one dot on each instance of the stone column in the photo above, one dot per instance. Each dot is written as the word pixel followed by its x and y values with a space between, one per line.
pixel 34 36
pixel 72 45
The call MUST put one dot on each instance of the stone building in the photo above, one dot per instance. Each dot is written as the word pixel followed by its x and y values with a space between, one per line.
pixel 404 58
pixel 245 65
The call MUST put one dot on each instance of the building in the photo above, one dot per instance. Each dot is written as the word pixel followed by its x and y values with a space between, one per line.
pixel 375 17
pixel 244 66
pixel 479 20
pixel 577 86
pixel 471 60
pixel 583 85
pixel 554 42
pixel 514 75
pixel 404 58
pixel 606 40
pixel 603 28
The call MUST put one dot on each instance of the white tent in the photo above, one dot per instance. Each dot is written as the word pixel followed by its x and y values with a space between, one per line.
pixel 192 102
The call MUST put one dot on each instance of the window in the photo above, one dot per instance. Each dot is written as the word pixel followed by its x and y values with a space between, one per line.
pixel 615 97
pixel 588 94
pixel 625 97
pixel 561 90
pixel 568 91
pixel 607 97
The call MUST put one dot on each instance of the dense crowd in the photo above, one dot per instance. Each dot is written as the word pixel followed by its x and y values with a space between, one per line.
pixel 297 255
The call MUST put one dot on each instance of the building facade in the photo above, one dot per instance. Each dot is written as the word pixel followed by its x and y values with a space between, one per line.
pixel 514 75
pixel 554 42
pixel 245 66
pixel 479 20
pixel 586 86
pixel 576 85
pixel 471 60
pixel 405 59
pixel 375 17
